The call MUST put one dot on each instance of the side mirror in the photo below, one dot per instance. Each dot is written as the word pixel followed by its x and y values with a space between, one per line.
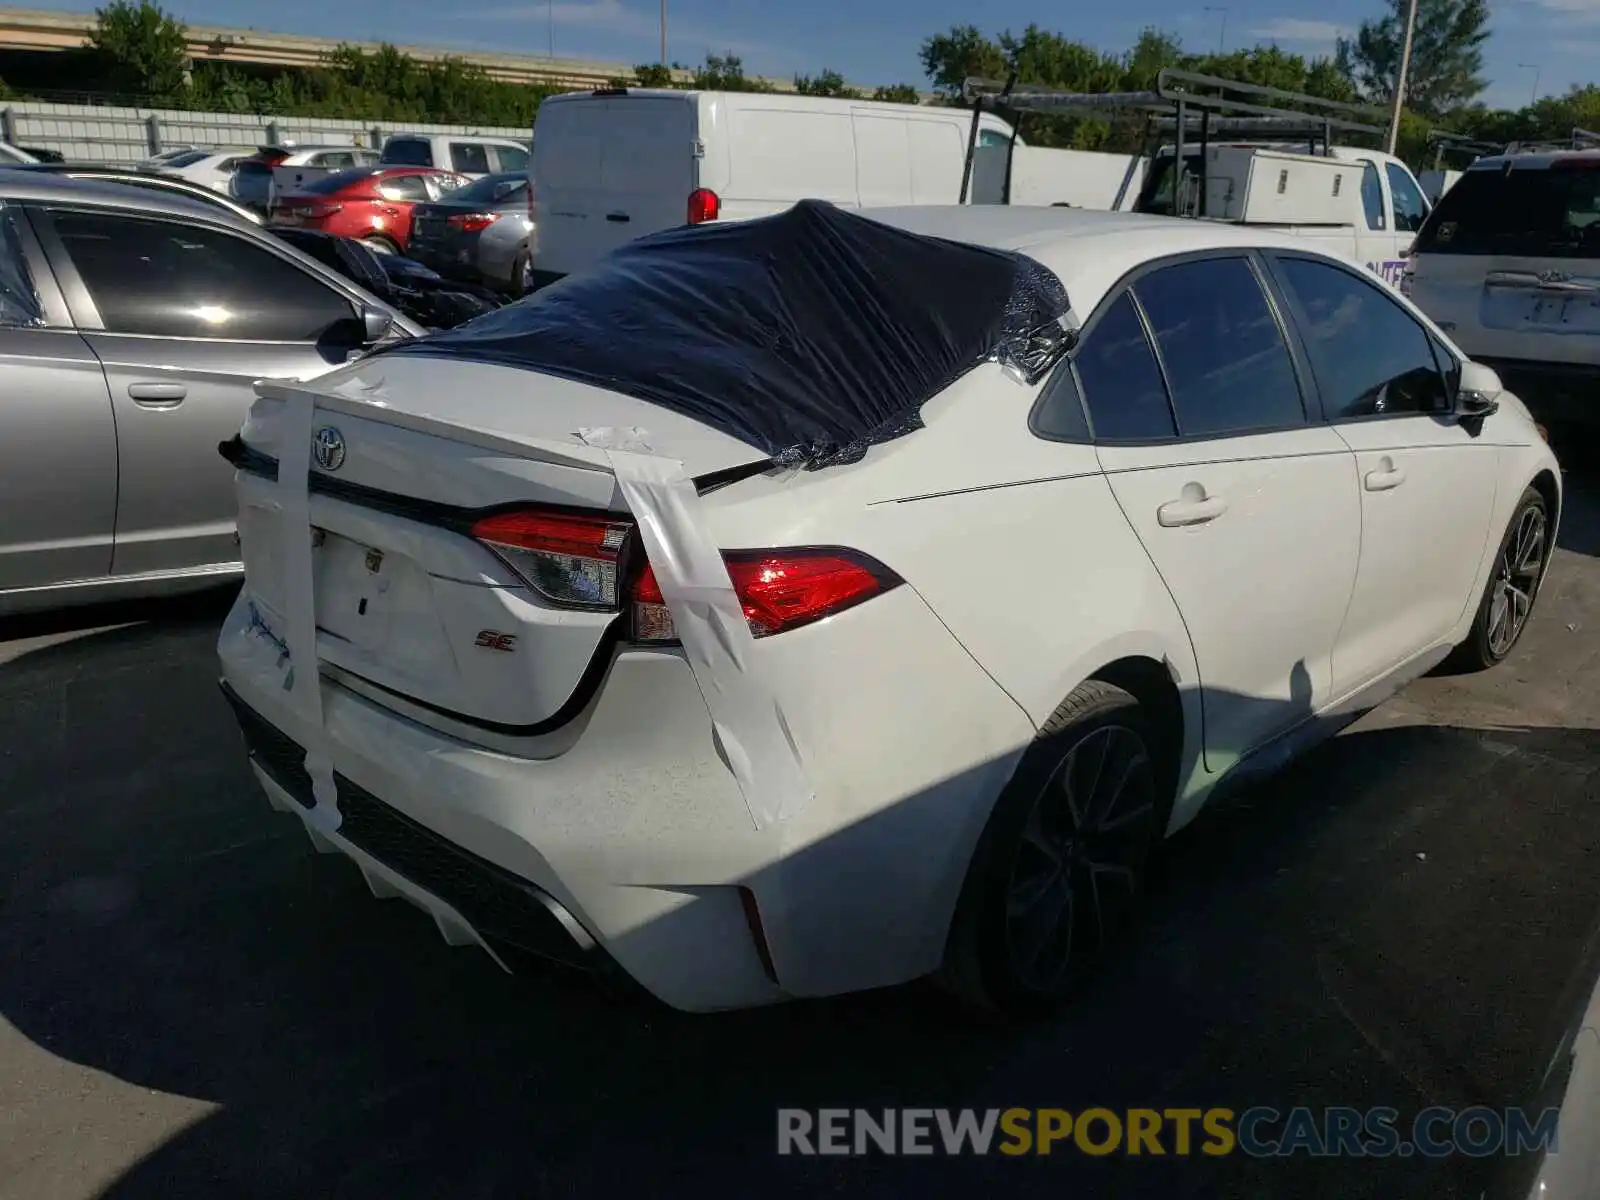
pixel 1478 392
pixel 375 323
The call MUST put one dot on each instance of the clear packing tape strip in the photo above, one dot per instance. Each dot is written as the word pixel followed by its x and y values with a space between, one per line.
pixel 750 726
pixel 303 680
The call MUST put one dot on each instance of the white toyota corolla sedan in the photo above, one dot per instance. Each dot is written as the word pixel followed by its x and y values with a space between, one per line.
pixel 815 603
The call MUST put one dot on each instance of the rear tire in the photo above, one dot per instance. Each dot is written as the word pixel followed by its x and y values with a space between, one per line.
pixel 1060 867
pixel 522 274
pixel 1509 595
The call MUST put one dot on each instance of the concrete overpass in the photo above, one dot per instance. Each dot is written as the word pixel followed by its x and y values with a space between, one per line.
pixel 23 29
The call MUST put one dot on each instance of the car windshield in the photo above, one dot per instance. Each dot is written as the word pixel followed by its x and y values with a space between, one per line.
pixel 490 188
pixel 1542 212
pixel 338 181
pixel 187 158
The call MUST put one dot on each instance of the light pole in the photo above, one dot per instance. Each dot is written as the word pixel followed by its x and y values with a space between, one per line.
pixel 550 11
pixel 1222 36
pixel 663 32
pixel 1400 81
pixel 1533 97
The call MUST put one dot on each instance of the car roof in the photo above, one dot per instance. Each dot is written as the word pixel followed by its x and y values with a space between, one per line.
pixel 1535 159
pixel 1089 250
pixel 498 139
pixel 52 187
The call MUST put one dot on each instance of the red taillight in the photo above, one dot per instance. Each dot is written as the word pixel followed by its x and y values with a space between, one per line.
pixel 704 206
pixel 472 222
pixel 779 589
pixel 570 559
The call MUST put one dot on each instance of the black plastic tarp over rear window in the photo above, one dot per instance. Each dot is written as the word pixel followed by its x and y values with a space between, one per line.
pixel 1533 211
pixel 809 335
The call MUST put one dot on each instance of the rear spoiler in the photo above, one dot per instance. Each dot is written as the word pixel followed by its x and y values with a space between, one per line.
pixel 574 453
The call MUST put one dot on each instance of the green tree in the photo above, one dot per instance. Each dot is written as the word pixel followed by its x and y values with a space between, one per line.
pixel 897 93
pixel 950 58
pixel 725 73
pixel 655 75
pixel 139 50
pixel 828 83
pixel 1446 54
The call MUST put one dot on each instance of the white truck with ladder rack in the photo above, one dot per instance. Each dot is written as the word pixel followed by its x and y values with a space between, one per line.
pixel 1246 159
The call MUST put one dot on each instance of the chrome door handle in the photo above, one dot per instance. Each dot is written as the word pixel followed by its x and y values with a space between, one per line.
pixel 157 395
pixel 1175 514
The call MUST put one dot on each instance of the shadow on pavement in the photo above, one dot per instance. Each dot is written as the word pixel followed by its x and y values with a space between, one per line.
pixel 1398 919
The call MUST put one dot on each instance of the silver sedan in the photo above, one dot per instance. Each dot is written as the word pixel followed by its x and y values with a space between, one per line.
pixel 132 326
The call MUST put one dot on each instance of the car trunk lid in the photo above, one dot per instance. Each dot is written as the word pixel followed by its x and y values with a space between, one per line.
pixel 410 607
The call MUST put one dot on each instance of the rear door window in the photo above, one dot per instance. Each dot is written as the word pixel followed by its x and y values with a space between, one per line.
pixel 164 279
pixel 1226 361
pixel 19 305
pixel 408 152
pixel 1534 212
pixel 1120 380
pixel 509 158
pixel 470 158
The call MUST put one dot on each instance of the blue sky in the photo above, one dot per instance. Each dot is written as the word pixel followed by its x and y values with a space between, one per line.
pixel 876 41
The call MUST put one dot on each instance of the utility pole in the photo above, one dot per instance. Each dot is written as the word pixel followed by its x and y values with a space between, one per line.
pixel 663 32
pixel 550 11
pixel 1533 97
pixel 1400 82
pixel 1222 37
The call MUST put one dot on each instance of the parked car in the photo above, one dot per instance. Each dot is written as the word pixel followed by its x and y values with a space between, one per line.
pixel 41 154
pixel 165 156
pixel 1509 265
pixel 618 163
pixel 482 232
pixel 468 155
pixel 404 284
pixel 812 604
pixel 212 167
pixel 170 185
pixel 132 325
pixel 273 169
pixel 371 204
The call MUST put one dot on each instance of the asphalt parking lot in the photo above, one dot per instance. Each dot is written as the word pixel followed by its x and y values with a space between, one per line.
pixel 193 1003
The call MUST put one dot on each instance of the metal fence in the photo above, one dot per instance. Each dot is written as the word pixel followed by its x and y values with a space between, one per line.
pixel 91 133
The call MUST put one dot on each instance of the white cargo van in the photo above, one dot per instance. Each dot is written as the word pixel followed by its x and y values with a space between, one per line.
pixel 615 164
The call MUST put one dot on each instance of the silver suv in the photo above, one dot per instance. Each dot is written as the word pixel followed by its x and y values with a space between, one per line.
pixel 132 326
pixel 1508 264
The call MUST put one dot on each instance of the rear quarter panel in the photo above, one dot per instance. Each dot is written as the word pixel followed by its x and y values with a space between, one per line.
pixel 1016 543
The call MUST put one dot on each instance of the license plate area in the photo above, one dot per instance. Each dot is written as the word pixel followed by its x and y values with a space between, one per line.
pixel 376 600
pixel 1542 309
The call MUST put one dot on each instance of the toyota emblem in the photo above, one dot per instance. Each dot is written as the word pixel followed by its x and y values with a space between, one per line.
pixel 327 448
